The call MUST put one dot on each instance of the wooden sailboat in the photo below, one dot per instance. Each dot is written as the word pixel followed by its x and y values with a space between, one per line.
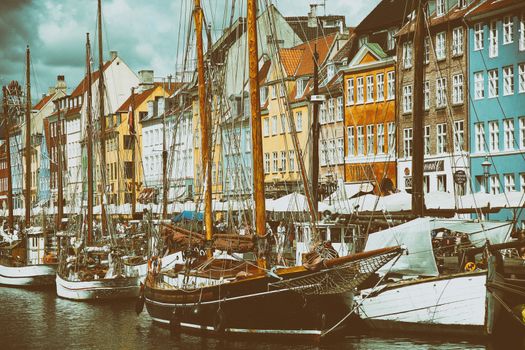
pixel 227 294
pixel 90 271
pixel 23 257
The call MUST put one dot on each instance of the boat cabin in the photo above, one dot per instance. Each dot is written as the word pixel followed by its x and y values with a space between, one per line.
pixel 36 246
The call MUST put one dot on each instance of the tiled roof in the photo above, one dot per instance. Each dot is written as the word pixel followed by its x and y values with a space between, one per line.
pixel 493 5
pixel 142 96
pixel 81 88
pixel 291 59
pixel 388 13
pixel 43 102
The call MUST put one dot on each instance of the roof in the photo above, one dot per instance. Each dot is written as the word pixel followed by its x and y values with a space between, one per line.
pixel 263 72
pixel 81 88
pixel 494 6
pixel 43 101
pixel 142 96
pixel 298 60
pixel 299 24
pixel 388 13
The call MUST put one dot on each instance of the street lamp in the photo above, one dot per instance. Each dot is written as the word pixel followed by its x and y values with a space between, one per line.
pixel 486 167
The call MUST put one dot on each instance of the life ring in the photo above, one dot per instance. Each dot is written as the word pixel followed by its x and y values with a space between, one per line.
pixel 470 266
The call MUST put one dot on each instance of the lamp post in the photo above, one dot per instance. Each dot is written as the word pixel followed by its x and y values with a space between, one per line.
pixel 486 168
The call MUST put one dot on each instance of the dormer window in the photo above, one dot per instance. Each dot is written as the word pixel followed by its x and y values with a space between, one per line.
pixel 330 71
pixel 440 7
pixel 301 86
pixel 462 4
pixel 363 40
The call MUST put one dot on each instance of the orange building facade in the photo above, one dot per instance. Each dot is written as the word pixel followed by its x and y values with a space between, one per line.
pixel 370 122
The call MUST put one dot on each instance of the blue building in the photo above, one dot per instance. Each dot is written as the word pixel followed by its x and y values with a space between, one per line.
pixel 44 191
pixel 497 99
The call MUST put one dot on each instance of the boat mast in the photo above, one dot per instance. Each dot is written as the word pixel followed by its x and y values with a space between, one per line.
pixel 28 142
pixel 60 209
pixel 89 145
pixel 315 138
pixel 255 106
pixel 164 170
pixel 102 119
pixel 418 198
pixel 133 160
pixel 205 139
pixel 10 220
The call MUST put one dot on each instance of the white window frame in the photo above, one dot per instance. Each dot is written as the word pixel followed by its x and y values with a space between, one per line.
pixel 291 160
pixel 426 140
pixel 521 135
pixel 440 8
pixel 380 138
pixel 274 125
pixel 267 163
pixel 339 116
pixel 521 78
pixel 508 80
pixel 508 134
pixel 457 41
pixel 508 30
pixel 457 89
pixel 510 182
pixel 441 92
pixel 369 88
pixel 360 90
pixel 360 140
pixel 275 162
pixel 407 142
pixel 391 133
pixel 340 150
pixel 521 32
pixel 299 121
pixel 459 135
pixel 283 161
pixel 441 138
pixel 349 91
pixel 407 99
pixel 493 88
pixel 266 127
pixel 494 184
pixel 391 85
pixel 493 39
pixel 426 50
pixel 370 138
pixel 479 129
pixel 351 141
pixel 494 136
pixel 426 95
pixel 479 36
pixel 479 86
pixel 380 87
pixel 407 54
pixel 441 46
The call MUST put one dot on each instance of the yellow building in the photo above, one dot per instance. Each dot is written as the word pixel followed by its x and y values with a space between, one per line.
pixel 285 94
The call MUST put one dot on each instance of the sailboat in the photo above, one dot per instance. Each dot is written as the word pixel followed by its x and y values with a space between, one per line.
pixel 24 259
pixel 93 270
pixel 225 293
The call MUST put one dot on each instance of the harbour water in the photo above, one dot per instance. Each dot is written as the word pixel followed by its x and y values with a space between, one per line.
pixel 37 319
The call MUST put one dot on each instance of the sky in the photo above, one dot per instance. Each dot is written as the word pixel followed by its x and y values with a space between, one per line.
pixel 148 34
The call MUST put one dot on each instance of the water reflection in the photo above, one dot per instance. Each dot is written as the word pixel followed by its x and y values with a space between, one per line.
pixel 38 319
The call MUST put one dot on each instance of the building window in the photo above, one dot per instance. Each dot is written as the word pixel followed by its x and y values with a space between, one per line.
pixel 283 123
pixel 340 150
pixel 442 183
pixel 508 80
pixel 266 127
pixel 380 138
pixel 331 110
pixel 441 92
pixel 299 121
pixel 508 32
pixel 441 46
pixel 274 91
pixel 457 89
pixel 360 140
pixel 493 83
pixel 339 114
pixel 441 140
pixel 480 180
pixel 457 41
pixel 360 90
pixel 324 154
pixel 407 142
pixel 508 134
pixel 281 90
pixel 510 185
pixel 291 159
pixel 522 182
pixel 301 85
pixel 494 184
pixel 391 138
pixel 494 135
pixel 407 54
pixel 478 36
pixel 427 140
pixel 380 87
pixel 370 88
pixel 479 86
pixel 322 113
pixel 493 39
pixel 349 91
pixel 522 32
pixel 274 125
pixel 283 161
pixel 391 85
pixel 351 141
pixel 370 139
pixel 275 162
pixel 426 95
pixel 459 135
pixel 426 52
pixel 462 4
pixel 391 39
pixel 522 132
pixel 363 40
pixel 263 91
pixel 407 98
pixel 440 7
pixel 521 77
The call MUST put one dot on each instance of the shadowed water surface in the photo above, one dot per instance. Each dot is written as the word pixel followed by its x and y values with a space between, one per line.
pixel 39 320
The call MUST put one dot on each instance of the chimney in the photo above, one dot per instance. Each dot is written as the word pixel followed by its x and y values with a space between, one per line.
pixel 60 84
pixel 145 80
pixel 113 55
pixel 312 16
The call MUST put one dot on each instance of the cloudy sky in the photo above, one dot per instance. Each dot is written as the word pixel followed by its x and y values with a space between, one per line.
pixel 148 34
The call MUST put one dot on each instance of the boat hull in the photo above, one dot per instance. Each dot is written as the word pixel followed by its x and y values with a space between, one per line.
pixel 249 308
pixel 454 305
pixel 28 276
pixel 127 287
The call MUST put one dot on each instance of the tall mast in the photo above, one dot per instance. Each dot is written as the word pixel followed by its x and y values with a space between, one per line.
pixel 255 106
pixel 164 170
pixel 89 144
pixel 10 220
pixel 27 148
pixel 102 119
pixel 133 156
pixel 205 139
pixel 315 137
pixel 60 192
pixel 418 199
